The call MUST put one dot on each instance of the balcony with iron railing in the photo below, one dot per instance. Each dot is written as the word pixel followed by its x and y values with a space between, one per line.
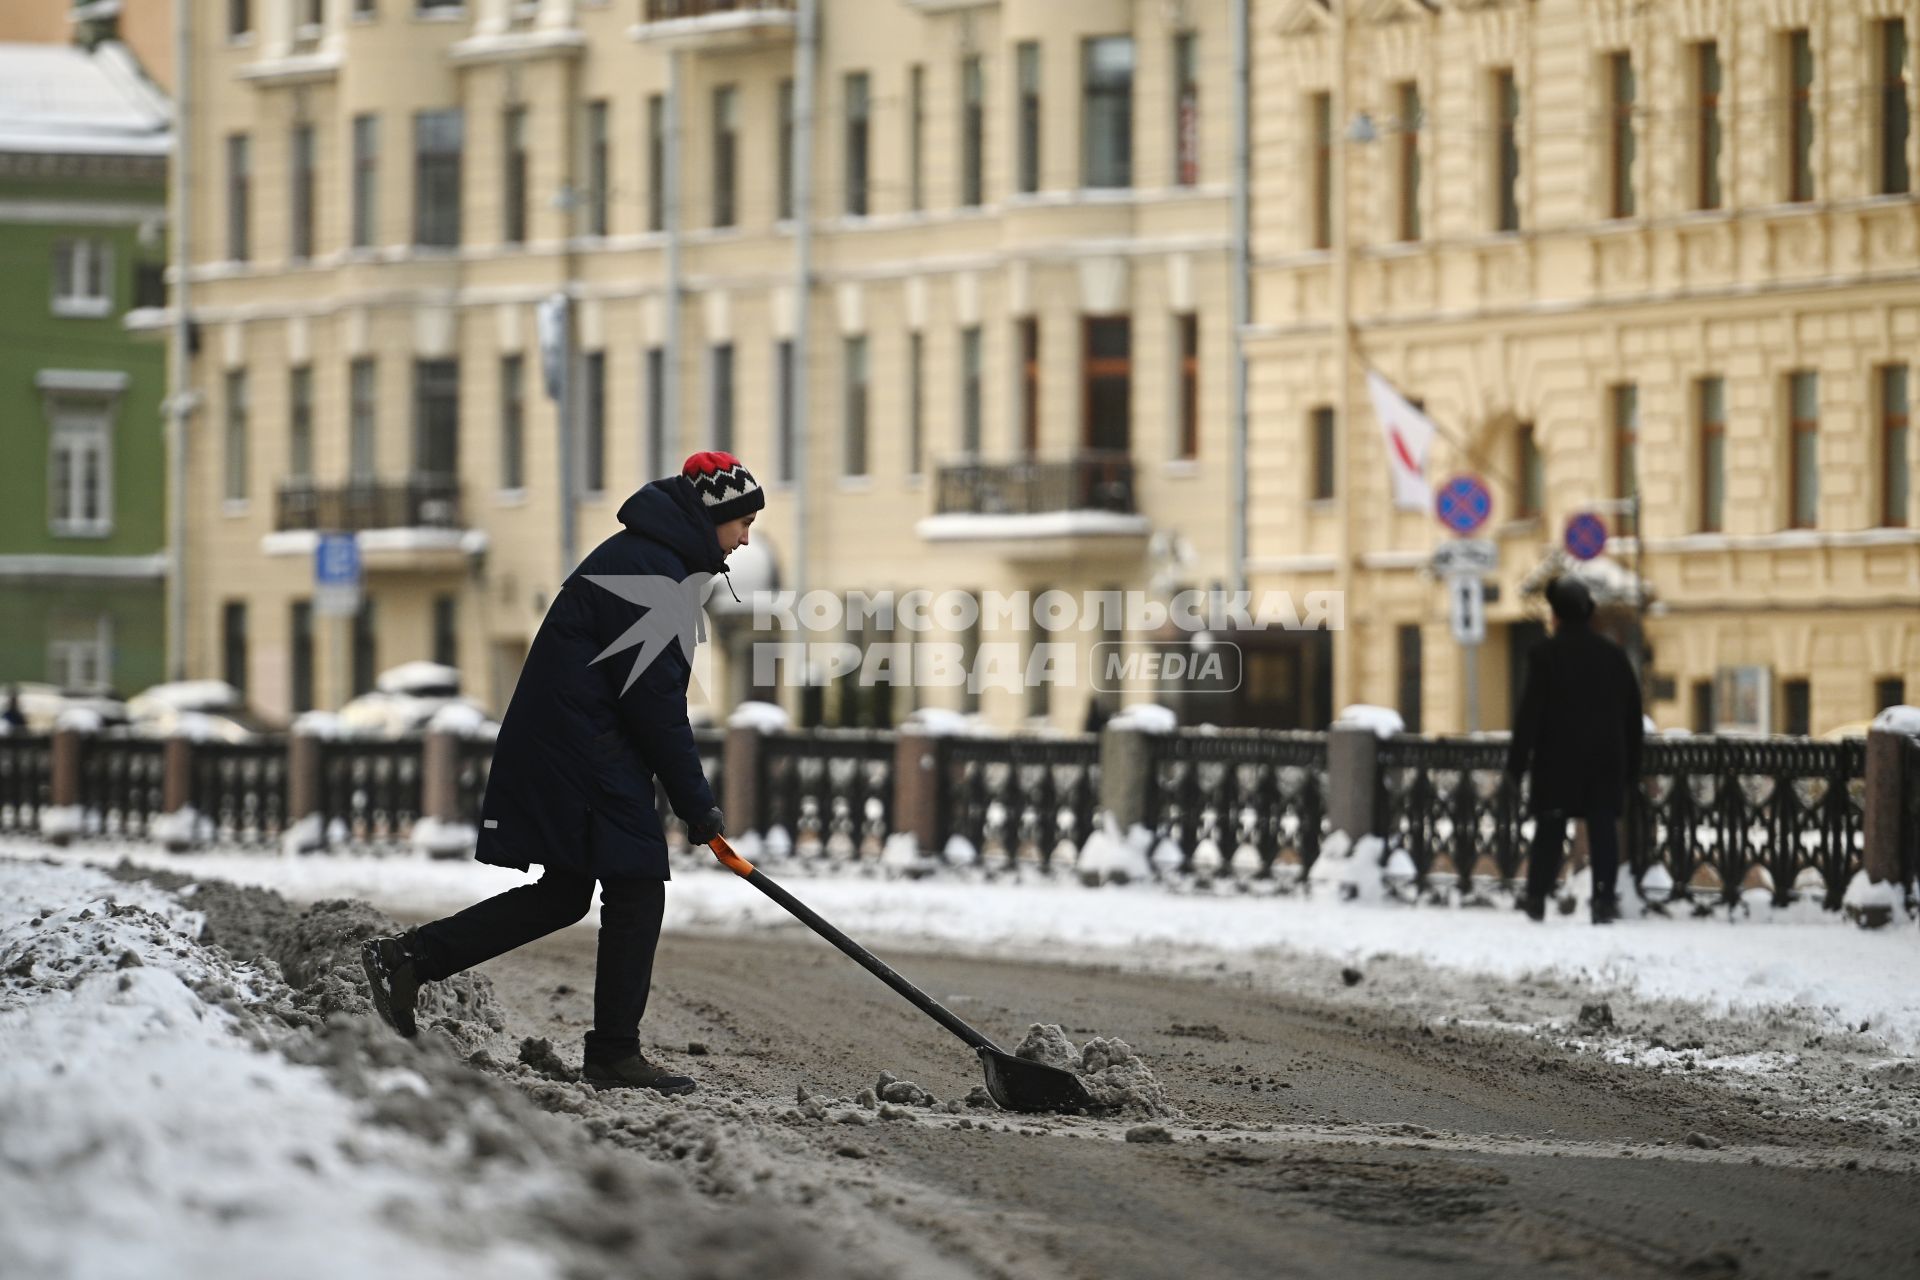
pixel 421 502
pixel 1090 495
pixel 710 25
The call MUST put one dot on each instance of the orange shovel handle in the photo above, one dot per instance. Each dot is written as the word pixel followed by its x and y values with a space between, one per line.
pixel 728 858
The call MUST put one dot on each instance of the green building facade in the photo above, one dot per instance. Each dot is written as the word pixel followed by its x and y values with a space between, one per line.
pixel 83 188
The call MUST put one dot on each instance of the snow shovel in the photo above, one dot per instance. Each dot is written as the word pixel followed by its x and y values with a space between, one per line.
pixel 1014 1083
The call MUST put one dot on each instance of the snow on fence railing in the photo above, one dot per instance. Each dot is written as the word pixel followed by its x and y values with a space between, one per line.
pixel 1448 803
pixel 26 780
pixel 1017 801
pixel 237 792
pixel 1251 803
pixel 825 792
pixel 370 790
pixel 123 784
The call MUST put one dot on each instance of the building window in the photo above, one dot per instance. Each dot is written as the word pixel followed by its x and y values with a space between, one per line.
pixel 1107 365
pixel 599 169
pixel 656 162
pixel 859 110
pixel 436 420
pixel 1626 441
pixel 1713 454
pixel 1186 109
pixel 1320 186
pixel 366 180
pixel 1029 335
pixel 917 137
pixel 513 422
pixel 80 651
pixel 1106 117
pixel 1321 447
pixel 1187 326
pixel 513 199
pixel 366 651
pixel 82 278
pixel 1531 466
pixel 1896 177
pixel 720 396
pixel 1407 161
pixel 300 631
pixel 1803 464
pixel 593 424
pixel 239 18
pixel 1620 135
pixel 300 197
pixel 1027 60
pixel 973 132
pixel 1796 700
pixel 437 142
pixel 446 630
pixel 783 409
pixel 1707 135
pixel 236 442
pixel 239 197
pixel 361 411
pixel 1703 706
pixel 1896 473
pixel 300 424
pixel 1409 647
pixel 970 396
pixel 365 8
pixel 1506 151
pixel 726 150
pixel 916 403
pixel 233 644
pixel 80 466
pixel 855 406
pixel 656 410
pixel 788 124
pixel 1889 691
pixel 1799 53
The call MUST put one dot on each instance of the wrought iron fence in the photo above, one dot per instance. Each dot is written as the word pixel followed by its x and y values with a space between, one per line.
pixel 371 791
pixel 1019 800
pixel 425 501
pixel 831 790
pixel 26 780
pixel 123 784
pixel 239 790
pixel 472 763
pixel 712 746
pixel 1090 482
pixel 1450 805
pixel 1247 802
pixel 1721 812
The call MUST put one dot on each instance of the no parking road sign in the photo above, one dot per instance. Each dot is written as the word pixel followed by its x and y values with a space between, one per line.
pixel 1463 504
pixel 1586 536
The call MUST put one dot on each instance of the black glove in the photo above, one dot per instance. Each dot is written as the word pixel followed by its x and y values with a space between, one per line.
pixel 703 830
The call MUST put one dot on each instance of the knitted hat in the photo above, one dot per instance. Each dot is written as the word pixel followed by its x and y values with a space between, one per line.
pixel 726 488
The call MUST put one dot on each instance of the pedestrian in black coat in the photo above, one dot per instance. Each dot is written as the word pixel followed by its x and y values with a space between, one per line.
pixel 1578 735
pixel 599 713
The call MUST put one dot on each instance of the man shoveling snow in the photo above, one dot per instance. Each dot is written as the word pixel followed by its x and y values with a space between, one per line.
pixel 572 784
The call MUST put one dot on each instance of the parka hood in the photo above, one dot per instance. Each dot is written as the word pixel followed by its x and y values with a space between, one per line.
pixel 669 512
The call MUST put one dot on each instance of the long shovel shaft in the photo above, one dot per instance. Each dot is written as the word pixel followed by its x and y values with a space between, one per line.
pixel 859 954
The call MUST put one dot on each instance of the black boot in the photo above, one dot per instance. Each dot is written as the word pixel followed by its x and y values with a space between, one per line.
pixel 1535 905
pixel 1605 910
pixel 393 980
pixel 633 1072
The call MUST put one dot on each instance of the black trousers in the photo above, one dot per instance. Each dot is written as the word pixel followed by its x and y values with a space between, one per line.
pixel 1550 845
pixel 630 912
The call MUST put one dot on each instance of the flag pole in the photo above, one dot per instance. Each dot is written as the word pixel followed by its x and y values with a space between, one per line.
pixel 1343 639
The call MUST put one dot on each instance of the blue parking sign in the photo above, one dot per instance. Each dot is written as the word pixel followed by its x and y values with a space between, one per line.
pixel 336 560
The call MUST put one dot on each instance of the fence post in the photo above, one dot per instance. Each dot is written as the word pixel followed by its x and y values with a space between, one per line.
pixel 306 824
pixel 742 801
pixel 1126 775
pixel 439 794
pixel 62 819
pixel 917 774
pixel 1353 771
pixel 1881 859
pixel 176 788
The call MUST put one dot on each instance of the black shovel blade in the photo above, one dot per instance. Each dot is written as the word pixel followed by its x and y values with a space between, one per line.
pixel 1019 1085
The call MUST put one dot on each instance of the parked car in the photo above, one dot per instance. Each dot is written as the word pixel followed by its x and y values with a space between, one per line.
pixel 210 709
pixel 403 700
pixel 42 704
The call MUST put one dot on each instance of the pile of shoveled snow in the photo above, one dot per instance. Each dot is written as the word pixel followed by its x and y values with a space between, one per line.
pixel 172 1104
pixel 1115 1076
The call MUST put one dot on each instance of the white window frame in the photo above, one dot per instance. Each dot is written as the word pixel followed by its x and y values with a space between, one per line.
pixel 78 265
pixel 80 406
pixel 68 656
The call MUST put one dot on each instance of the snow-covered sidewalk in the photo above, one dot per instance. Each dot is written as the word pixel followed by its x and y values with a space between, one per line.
pixel 1822 971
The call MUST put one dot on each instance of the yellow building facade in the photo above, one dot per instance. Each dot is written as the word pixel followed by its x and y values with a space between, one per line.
pixel 1668 248
pixel 1018 274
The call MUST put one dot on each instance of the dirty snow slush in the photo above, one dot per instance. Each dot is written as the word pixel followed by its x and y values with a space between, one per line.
pixel 194 1086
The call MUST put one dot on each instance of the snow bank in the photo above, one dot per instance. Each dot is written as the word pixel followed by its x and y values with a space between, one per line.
pixel 1108 857
pixel 1903 720
pixel 1383 722
pixel 441 839
pixel 319 724
pixel 418 678
pixel 763 717
pixel 79 720
pixel 1145 717
pixel 463 719
pixel 185 695
pixel 938 722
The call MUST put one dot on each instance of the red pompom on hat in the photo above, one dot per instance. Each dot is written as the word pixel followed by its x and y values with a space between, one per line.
pixel 726 488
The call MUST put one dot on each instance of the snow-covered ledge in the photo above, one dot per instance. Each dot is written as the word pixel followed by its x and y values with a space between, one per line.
pixel 964 527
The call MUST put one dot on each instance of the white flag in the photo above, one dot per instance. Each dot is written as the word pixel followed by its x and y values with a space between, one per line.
pixel 1409 433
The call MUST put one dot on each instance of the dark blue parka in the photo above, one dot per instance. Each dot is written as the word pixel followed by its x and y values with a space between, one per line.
pixel 572 784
